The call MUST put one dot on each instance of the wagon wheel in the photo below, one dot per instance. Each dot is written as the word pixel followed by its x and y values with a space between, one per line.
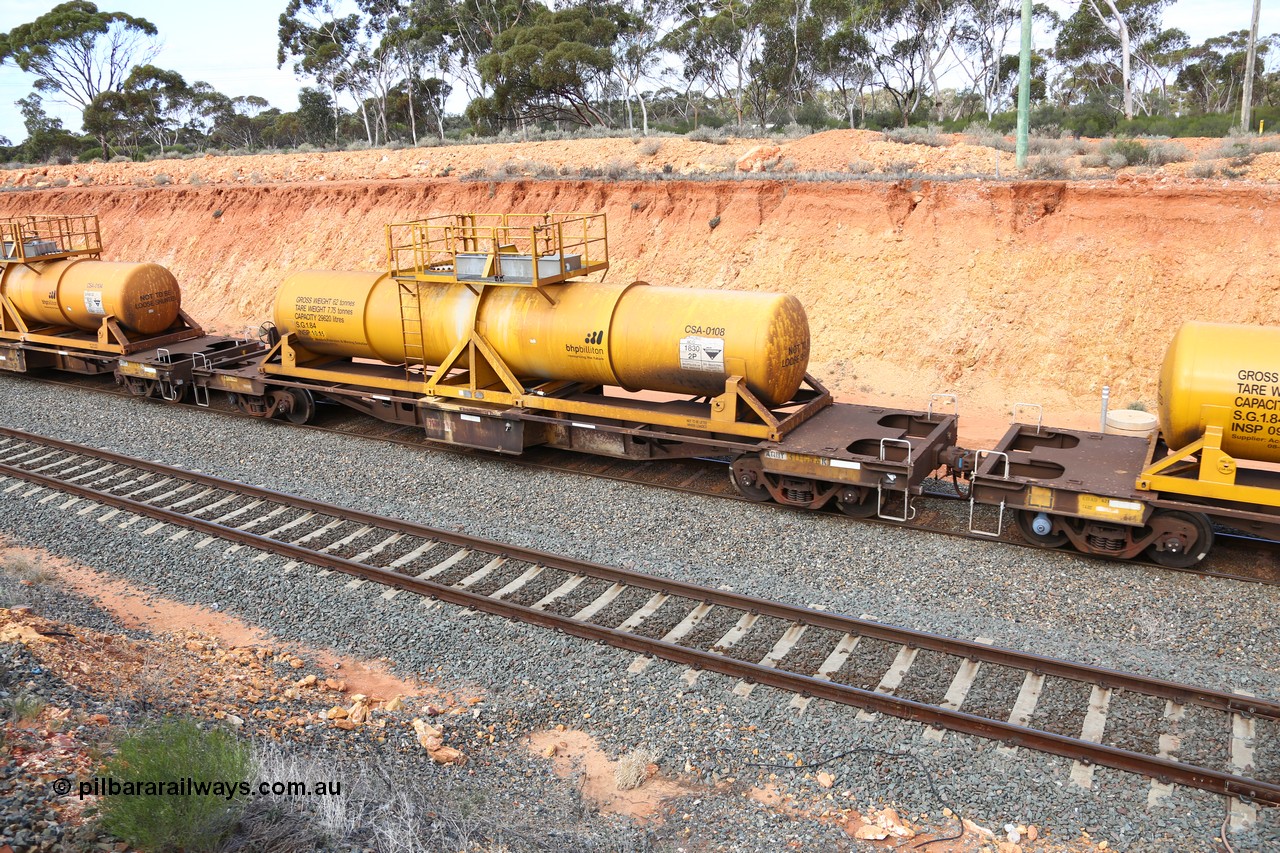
pixel 139 387
pixel 1183 539
pixel 857 503
pixel 748 479
pixel 301 407
pixel 1026 526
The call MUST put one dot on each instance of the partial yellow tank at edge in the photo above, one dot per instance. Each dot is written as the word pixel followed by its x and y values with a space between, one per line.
pixel 635 336
pixel 1226 375
pixel 144 298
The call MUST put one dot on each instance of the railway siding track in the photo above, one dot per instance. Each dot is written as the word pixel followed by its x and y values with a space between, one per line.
pixel 1236 558
pixel 803 651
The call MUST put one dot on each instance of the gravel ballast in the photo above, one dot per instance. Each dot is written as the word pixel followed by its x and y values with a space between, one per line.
pixel 1130 617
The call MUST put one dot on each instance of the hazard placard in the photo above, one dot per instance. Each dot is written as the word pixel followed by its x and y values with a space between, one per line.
pixel 702 354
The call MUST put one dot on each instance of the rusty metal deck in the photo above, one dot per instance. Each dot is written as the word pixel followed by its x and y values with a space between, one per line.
pixel 1074 460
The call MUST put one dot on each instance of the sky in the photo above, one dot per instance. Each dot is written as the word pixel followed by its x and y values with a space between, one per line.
pixel 235 49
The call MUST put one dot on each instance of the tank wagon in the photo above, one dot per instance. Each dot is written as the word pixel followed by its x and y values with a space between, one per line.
pixel 63 308
pixel 499 332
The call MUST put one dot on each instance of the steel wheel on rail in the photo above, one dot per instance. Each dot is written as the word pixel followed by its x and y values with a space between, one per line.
pixel 857 503
pixel 747 477
pixel 1032 525
pixel 1183 539
pixel 301 406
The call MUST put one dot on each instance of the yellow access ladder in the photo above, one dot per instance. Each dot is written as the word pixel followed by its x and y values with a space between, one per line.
pixel 411 326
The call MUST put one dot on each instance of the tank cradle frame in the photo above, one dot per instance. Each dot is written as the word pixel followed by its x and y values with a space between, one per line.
pixel 112 338
pixel 475 374
pixel 1203 469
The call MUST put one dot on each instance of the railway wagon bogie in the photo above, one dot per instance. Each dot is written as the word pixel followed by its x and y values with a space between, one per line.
pixel 1078 489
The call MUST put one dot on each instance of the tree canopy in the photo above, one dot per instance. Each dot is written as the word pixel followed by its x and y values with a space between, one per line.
pixel 378 71
pixel 78 51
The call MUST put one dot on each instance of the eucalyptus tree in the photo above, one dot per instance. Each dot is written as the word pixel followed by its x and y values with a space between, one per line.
pixel 78 51
pixel 1101 41
pixel 550 66
pixel 638 50
pixel 716 41
pixel 911 40
pixel 845 60
pixel 337 44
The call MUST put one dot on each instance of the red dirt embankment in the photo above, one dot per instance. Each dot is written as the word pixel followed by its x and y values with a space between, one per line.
pixel 1039 292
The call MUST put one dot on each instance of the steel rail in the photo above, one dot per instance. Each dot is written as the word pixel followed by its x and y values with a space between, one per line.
pixel 1040 664
pixel 1073 748
pixel 525 461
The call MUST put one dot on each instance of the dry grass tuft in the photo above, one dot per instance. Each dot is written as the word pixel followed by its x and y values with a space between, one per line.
pixel 633 768
pixel 26 569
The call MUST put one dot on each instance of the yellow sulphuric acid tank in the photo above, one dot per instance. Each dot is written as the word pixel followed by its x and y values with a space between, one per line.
pixel 1225 375
pixel 635 336
pixel 144 298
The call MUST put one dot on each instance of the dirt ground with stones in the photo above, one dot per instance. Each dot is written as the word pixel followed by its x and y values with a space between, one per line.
pixel 138 654
pixel 923 269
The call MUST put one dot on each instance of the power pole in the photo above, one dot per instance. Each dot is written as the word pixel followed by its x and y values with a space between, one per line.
pixel 1246 108
pixel 1024 85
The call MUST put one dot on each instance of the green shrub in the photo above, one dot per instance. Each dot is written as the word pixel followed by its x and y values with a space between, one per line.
pixel 915 136
pixel 171 751
pixel 1132 151
pixel 23 567
pixel 24 707
pixel 982 134
pixel 1049 167
pixel 1164 153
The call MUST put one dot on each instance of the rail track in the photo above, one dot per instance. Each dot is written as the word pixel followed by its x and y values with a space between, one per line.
pixel 1240 558
pixel 804 651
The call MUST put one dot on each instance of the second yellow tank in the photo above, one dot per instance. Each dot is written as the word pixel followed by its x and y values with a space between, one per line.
pixel 1225 375
pixel 635 336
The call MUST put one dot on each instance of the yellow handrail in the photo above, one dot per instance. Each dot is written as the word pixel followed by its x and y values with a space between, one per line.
pixel 40 237
pixel 429 249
